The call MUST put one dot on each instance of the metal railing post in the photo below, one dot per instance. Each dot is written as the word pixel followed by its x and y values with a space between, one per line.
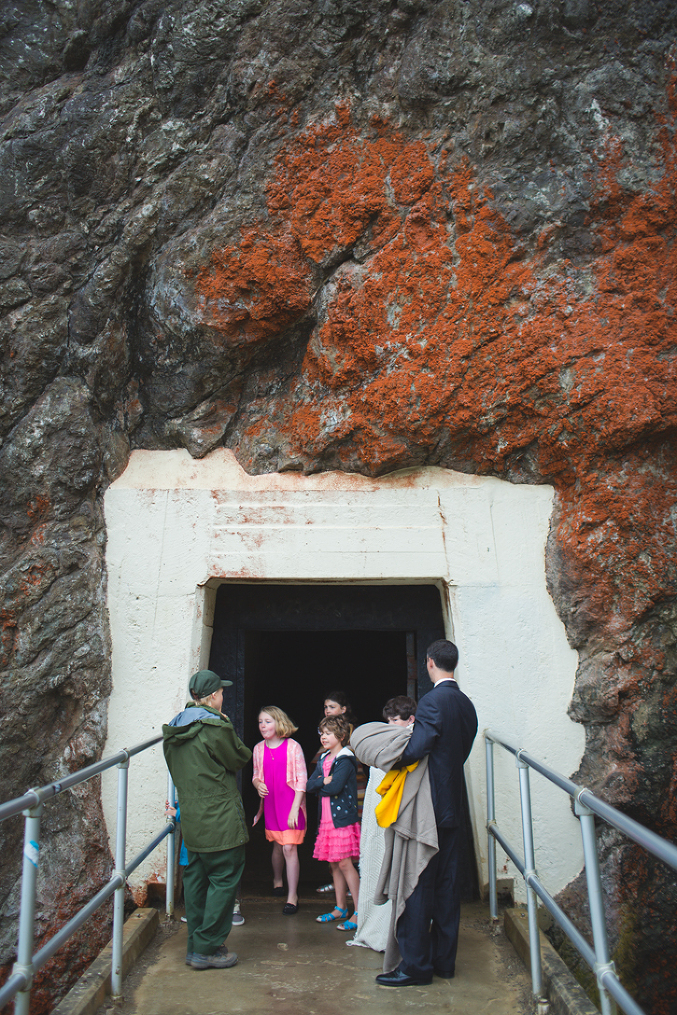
pixel 530 870
pixel 587 807
pixel 119 898
pixel 24 955
pixel 491 821
pixel 599 935
pixel 20 982
pixel 171 853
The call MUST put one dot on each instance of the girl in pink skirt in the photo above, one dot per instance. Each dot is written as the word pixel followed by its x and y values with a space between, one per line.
pixel 280 780
pixel 338 837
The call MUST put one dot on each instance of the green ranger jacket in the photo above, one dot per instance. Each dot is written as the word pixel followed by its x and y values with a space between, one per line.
pixel 203 754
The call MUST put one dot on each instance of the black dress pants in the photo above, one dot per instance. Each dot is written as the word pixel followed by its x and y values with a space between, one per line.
pixel 427 931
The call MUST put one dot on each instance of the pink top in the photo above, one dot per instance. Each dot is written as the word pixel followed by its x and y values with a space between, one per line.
pixel 277 805
pixel 325 814
pixel 295 774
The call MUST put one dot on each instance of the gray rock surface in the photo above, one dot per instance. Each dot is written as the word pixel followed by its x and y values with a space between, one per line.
pixel 200 206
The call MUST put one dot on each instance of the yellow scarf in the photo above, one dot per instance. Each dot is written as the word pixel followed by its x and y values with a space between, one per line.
pixel 390 789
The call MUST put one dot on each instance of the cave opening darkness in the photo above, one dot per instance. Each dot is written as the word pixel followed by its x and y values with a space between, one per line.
pixel 291 645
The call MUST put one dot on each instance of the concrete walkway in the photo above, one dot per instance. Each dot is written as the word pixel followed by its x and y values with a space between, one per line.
pixel 294 966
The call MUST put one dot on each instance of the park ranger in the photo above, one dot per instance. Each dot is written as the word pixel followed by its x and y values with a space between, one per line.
pixel 204 754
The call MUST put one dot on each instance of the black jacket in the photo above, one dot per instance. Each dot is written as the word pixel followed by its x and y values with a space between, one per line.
pixel 342 790
pixel 445 727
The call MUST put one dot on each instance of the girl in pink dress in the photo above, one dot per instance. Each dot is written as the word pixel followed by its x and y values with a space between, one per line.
pixel 338 838
pixel 280 780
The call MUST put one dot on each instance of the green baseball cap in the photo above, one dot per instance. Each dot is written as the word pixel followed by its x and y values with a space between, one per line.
pixel 205 682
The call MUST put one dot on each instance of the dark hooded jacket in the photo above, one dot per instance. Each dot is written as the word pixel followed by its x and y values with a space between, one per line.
pixel 342 790
pixel 203 754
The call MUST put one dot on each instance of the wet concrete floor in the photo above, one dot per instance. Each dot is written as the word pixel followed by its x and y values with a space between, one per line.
pixel 293 965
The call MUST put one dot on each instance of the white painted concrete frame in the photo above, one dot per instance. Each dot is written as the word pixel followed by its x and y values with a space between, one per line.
pixel 177 528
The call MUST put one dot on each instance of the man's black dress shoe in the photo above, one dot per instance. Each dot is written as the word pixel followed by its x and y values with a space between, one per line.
pixel 444 976
pixel 399 979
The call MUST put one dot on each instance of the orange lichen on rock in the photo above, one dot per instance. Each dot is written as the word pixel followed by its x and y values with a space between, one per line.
pixel 253 290
pixel 37 507
pixel 450 324
pixel 618 534
pixel 8 635
pixel 330 184
pixel 411 174
pixel 438 325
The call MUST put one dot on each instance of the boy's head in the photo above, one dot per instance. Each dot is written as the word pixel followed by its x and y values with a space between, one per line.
pixel 338 725
pixel 399 711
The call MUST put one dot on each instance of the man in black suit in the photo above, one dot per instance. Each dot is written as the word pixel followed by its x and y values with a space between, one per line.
pixel 445 727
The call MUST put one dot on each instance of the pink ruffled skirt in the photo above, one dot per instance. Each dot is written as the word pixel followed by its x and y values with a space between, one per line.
pixel 336 844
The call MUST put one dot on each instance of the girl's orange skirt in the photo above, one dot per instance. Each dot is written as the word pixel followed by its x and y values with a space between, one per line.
pixel 287 837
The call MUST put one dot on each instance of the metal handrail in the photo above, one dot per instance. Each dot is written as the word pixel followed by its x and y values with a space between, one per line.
pixel 639 833
pixel 586 805
pixel 20 982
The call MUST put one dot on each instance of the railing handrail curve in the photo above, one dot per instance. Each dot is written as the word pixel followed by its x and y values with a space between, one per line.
pixel 586 805
pixel 37 795
pixel 30 804
pixel 639 833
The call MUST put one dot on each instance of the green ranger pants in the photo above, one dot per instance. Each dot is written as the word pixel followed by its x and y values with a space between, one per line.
pixel 210 884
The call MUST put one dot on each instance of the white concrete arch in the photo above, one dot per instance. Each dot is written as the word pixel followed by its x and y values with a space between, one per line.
pixel 177 527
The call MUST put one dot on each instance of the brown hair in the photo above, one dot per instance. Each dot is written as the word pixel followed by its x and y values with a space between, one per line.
pixel 339 726
pixel 284 727
pixel 399 707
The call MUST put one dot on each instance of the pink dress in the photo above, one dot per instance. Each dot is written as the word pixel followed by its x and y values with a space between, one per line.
pixel 332 843
pixel 278 803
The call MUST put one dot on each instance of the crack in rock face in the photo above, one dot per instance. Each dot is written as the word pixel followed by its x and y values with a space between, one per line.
pixel 354 236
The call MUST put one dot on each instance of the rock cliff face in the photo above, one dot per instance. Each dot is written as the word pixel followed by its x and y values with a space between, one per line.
pixel 363 236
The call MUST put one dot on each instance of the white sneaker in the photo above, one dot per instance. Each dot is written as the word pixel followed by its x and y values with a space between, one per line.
pixel 238 918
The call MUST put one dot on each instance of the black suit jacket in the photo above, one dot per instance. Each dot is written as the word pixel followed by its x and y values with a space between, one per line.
pixel 445 727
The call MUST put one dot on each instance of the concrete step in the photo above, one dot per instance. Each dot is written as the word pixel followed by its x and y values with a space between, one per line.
pixel 294 966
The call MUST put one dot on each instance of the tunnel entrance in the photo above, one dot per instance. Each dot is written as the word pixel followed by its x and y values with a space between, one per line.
pixel 334 552
pixel 292 645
